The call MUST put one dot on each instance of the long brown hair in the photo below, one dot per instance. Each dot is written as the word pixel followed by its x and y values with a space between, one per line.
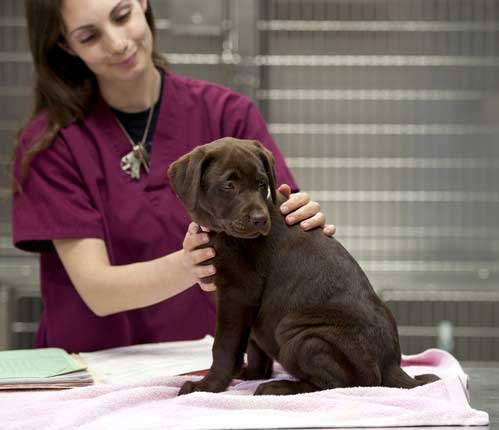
pixel 64 87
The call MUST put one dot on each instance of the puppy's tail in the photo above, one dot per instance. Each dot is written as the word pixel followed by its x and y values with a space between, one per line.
pixel 395 377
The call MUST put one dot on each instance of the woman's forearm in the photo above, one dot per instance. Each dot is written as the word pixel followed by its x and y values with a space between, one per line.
pixel 137 285
pixel 108 289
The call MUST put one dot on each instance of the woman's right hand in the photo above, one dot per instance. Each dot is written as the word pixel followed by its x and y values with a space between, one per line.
pixel 192 257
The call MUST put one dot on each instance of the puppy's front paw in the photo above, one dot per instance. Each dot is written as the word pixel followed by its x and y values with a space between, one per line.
pixel 188 387
pixel 209 385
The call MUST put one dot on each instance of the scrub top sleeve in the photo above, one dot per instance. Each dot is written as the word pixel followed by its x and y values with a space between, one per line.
pixel 53 203
pixel 249 124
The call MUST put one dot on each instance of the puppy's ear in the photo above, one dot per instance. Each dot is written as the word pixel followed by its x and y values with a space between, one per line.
pixel 268 163
pixel 185 176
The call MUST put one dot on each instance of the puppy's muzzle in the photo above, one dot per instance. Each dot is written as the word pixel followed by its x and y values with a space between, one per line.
pixel 259 220
pixel 253 224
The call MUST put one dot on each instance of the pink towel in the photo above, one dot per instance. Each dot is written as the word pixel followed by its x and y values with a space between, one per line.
pixel 155 404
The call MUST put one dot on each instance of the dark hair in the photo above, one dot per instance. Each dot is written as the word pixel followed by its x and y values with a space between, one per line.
pixel 64 86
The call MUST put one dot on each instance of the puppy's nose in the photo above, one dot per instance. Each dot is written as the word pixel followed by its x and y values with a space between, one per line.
pixel 258 218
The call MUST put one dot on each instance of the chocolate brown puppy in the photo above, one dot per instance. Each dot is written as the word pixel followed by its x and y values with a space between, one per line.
pixel 282 293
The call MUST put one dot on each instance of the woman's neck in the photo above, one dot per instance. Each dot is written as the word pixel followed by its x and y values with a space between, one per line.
pixel 133 96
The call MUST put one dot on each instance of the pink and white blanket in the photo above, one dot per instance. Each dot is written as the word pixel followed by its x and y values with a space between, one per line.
pixel 154 404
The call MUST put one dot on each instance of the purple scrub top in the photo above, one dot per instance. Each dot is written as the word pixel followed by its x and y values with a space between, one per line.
pixel 76 189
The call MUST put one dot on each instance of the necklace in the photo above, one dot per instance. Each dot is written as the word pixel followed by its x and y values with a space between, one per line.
pixel 138 156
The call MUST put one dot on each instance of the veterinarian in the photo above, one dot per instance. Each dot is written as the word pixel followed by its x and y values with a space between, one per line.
pixel 117 250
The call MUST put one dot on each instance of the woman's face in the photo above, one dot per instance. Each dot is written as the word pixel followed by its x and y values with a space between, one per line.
pixel 112 37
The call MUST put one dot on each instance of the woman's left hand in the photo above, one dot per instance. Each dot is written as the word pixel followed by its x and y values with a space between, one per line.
pixel 300 209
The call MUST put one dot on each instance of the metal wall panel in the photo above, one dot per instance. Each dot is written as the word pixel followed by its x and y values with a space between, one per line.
pixel 4 316
pixel 387 112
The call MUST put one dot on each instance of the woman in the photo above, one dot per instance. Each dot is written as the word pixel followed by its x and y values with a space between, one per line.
pixel 116 262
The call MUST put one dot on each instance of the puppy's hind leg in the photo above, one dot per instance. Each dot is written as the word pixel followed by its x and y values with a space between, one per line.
pixel 325 355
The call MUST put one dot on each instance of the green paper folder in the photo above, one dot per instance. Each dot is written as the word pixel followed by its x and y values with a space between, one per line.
pixel 36 363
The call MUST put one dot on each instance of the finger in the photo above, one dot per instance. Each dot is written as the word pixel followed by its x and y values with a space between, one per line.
pixel 329 230
pixel 295 202
pixel 193 228
pixel 194 240
pixel 303 213
pixel 204 271
pixel 284 189
pixel 203 228
pixel 318 220
pixel 208 287
pixel 200 255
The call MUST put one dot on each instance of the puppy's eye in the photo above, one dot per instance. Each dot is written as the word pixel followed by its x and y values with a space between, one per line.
pixel 227 186
pixel 262 184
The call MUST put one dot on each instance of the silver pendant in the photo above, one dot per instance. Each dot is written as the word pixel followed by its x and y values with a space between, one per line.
pixel 132 161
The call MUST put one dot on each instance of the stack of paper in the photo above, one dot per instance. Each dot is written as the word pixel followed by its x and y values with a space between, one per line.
pixel 139 363
pixel 41 368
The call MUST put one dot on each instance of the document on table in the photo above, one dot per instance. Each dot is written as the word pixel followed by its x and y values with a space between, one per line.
pixel 36 363
pixel 140 362
pixel 41 368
